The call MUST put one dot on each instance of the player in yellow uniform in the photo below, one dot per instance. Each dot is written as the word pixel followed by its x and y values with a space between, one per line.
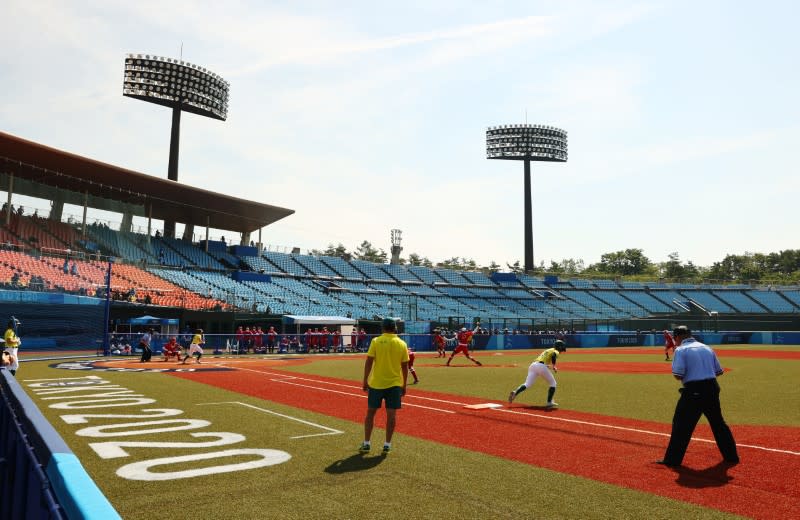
pixel 539 368
pixel 12 344
pixel 196 348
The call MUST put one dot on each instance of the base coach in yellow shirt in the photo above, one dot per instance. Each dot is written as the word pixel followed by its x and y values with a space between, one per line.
pixel 385 375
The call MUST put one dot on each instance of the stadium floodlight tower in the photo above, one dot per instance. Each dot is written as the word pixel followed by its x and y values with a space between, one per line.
pixel 397 238
pixel 527 143
pixel 181 86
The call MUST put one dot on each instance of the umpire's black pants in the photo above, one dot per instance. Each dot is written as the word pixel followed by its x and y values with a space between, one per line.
pixel 699 398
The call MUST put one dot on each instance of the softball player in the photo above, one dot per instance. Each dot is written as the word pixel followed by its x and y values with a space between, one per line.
pixel 464 338
pixel 669 343
pixel 539 368
pixel 12 344
pixel 196 348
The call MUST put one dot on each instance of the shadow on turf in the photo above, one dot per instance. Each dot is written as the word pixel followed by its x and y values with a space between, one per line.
pixel 357 462
pixel 540 408
pixel 714 476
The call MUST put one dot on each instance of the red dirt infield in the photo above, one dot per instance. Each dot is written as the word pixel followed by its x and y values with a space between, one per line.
pixel 618 368
pixel 619 451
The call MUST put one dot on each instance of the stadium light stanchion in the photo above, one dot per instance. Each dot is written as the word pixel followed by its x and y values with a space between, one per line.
pixel 107 310
pixel 527 143
pixel 181 86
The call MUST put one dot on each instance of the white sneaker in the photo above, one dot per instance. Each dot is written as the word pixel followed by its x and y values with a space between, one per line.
pixel 552 404
pixel 511 397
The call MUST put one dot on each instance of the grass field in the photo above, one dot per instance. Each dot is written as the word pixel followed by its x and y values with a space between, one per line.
pixel 263 437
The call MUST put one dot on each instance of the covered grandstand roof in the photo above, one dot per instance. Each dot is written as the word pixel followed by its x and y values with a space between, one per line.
pixel 47 173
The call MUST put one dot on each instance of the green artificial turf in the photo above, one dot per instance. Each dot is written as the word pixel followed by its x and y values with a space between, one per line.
pixel 325 477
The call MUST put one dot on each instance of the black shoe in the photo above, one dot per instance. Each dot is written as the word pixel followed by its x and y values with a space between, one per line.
pixel 666 463
pixel 732 462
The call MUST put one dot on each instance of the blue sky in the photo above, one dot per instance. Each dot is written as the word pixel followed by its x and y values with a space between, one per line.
pixel 368 116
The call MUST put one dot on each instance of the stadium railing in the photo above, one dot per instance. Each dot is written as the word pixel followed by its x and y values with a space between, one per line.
pixel 40 477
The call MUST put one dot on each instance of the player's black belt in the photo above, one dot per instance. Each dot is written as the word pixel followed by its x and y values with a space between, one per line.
pixel 701 382
pixel 702 385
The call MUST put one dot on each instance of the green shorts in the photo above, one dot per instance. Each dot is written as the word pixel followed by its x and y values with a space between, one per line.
pixel 391 395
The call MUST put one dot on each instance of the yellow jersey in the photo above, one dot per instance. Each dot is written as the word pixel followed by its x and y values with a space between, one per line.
pixel 198 339
pixel 389 353
pixel 11 339
pixel 548 357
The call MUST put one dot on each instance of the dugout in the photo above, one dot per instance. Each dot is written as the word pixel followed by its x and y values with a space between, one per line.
pixel 299 324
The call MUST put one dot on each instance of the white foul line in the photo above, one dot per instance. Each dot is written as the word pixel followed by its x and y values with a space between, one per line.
pixel 506 410
pixel 637 430
pixel 331 431
pixel 354 395
pixel 289 380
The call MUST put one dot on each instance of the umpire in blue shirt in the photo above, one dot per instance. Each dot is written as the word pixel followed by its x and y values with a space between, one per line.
pixel 697 367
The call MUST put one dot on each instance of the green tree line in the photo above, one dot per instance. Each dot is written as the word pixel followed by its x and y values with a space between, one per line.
pixel 632 264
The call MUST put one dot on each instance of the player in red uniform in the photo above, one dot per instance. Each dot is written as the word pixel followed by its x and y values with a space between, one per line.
pixel 669 343
pixel 354 340
pixel 411 356
pixel 439 342
pixel 248 340
pixel 172 349
pixel 336 341
pixel 271 339
pixel 362 339
pixel 239 338
pixel 324 339
pixel 258 340
pixel 464 337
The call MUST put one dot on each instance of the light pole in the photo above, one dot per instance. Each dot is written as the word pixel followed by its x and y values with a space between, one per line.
pixel 107 310
pixel 181 86
pixel 397 238
pixel 527 143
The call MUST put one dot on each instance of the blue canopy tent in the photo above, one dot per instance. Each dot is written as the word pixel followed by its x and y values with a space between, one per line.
pixel 164 326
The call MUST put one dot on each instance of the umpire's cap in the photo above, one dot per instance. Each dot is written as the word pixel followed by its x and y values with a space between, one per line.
pixel 560 346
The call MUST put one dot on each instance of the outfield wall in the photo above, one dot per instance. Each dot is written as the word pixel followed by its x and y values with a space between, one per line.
pixel 631 339
pixel 222 343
